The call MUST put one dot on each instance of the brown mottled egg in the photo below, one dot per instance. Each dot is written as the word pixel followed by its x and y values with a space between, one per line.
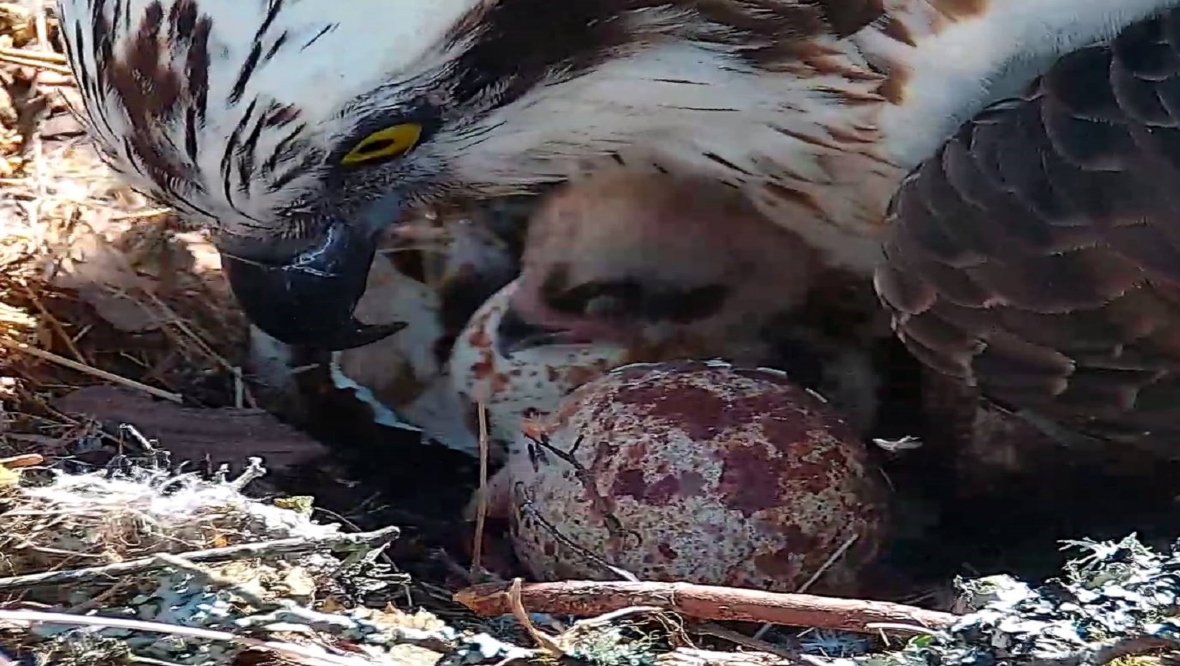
pixel 695 471
pixel 528 383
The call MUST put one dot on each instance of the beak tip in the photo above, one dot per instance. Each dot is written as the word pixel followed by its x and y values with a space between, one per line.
pixel 355 334
pixel 362 335
pixel 507 348
pixel 310 300
pixel 515 334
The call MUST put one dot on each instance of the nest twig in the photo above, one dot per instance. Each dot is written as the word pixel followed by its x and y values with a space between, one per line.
pixel 585 598
pixel 68 226
pixel 311 656
pixel 273 547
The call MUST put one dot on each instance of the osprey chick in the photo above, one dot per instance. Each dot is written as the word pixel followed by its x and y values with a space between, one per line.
pixel 670 267
pixel 296 130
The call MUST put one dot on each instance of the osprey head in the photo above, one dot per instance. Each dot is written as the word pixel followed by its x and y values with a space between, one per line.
pixel 296 131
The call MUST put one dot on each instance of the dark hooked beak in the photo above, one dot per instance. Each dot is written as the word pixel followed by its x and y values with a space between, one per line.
pixel 515 334
pixel 309 299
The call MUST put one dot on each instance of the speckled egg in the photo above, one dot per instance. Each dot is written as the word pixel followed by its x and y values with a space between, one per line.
pixel 529 383
pixel 695 471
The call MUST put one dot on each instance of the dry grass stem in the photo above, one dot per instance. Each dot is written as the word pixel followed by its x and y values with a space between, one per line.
pixel 367 540
pixel 836 555
pixel 481 508
pixel 307 655
pixel 516 605
pixel 90 370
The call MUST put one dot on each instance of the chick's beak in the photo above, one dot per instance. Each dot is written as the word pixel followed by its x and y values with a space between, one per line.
pixel 309 298
pixel 516 334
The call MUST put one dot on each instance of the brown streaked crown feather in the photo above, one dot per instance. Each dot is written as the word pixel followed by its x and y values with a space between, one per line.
pixel 150 91
pixel 580 34
pixel 137 70
pixel 1037 255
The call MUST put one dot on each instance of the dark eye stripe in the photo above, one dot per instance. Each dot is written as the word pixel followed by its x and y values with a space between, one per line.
pixel 633 299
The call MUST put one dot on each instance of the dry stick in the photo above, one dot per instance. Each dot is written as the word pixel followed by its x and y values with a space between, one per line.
pixel 29 54
pixel 762 631
pixel 54 323
pixel 1119 648
pixel 318 657
pixel 81 367
pixel 588 598
pixel 516 607
pixel 140 216
pixel 257 549
pixel 481 509
pixel 23 460
pixel 23 60
pixel 737 638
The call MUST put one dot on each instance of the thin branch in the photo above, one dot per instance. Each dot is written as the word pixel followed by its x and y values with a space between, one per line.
pixel 246 550
pixel 587 598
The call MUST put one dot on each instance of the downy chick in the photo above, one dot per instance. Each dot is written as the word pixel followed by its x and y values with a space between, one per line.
pixel 668 267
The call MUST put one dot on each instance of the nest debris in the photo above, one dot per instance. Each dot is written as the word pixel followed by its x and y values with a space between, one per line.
pixel 143 563
pixel 135 562
pixel 97 285
pixel 138 560
pixel 1115 601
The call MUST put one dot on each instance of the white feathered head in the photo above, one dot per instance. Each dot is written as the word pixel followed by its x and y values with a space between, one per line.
pixel 295 131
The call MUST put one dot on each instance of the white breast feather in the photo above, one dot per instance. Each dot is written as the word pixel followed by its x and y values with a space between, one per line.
pixel 966 65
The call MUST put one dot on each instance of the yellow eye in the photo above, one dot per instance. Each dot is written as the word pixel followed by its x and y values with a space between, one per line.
pixel 384 144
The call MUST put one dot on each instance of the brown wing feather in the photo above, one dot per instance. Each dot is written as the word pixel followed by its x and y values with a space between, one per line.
pixel 1037 254
pixel 847 17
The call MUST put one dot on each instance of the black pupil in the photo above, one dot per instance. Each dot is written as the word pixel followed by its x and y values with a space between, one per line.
pixel 378 145
pixel 651 302
pixel 628 296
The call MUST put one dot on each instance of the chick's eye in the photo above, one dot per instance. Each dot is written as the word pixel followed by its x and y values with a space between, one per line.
pixel 605 306
pixel 384 144
pixel 601 299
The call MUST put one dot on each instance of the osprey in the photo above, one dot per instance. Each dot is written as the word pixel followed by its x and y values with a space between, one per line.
pixel 1035 258
pixel 296 131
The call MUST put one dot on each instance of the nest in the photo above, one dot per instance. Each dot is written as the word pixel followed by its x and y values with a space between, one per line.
pixel 113 320
pixel 149 546
pixel 140 563
pixel 96 285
